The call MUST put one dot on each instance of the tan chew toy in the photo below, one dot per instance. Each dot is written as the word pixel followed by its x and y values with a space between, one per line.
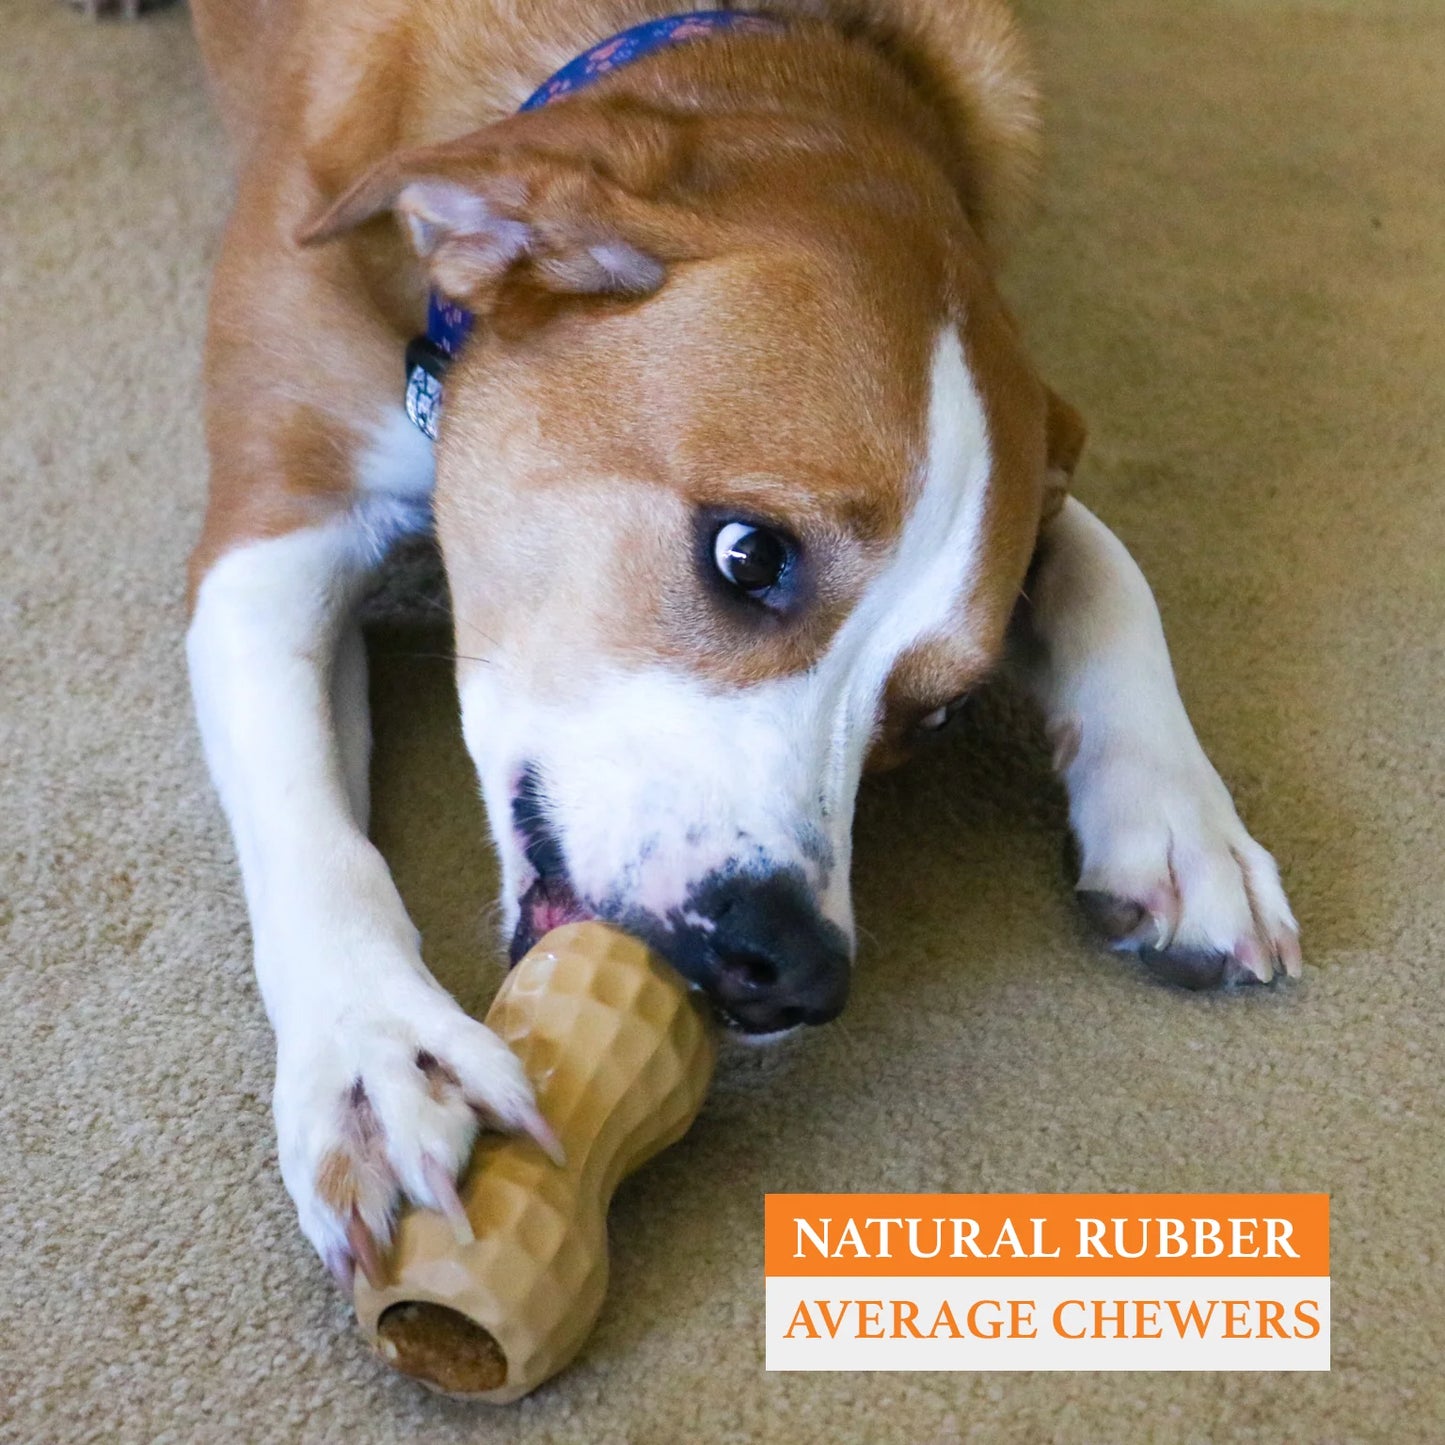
pixel 620 1054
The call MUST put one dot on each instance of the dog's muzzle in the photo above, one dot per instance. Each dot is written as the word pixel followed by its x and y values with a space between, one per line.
pixel 754 941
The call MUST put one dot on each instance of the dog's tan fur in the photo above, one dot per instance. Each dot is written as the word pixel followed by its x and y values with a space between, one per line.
pixel 801 169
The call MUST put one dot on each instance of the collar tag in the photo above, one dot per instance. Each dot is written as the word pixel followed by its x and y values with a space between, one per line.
pixel 427 360
pixel 425 367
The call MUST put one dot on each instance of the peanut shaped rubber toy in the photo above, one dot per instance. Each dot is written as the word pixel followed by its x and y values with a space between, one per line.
pixel 620 1054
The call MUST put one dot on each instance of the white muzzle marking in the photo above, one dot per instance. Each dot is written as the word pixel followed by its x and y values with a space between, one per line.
pixel 655 778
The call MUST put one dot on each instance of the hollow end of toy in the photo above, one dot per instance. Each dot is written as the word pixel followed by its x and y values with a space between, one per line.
pixel 441 1347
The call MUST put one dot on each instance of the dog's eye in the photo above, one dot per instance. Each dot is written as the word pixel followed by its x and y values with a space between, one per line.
pixel 752 558
pixel 940 717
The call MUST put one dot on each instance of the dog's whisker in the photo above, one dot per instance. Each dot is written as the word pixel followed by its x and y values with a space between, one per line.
pixel 472 627
pixel 446 610
pixel 410 656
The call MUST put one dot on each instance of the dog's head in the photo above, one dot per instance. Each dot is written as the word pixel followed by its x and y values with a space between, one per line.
pixel 737 486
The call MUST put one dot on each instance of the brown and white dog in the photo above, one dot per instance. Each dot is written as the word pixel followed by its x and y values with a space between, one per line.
pixel 739 483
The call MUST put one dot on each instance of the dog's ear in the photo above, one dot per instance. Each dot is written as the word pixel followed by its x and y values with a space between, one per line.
pixel 566 198
pixel 1066 432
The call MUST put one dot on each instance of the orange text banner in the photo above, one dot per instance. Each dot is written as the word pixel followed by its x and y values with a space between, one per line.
pixel 1009 1235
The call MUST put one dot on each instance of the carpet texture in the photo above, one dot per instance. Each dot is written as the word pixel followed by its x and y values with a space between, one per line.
pixel 1239 275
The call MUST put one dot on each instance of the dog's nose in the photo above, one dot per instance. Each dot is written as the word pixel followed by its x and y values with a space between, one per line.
pixel 769 957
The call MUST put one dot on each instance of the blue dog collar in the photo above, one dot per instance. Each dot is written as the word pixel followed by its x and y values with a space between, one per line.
pixel 612 54
pixel 447 324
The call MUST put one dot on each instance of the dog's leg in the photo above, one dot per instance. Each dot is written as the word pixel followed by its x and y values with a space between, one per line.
pixel 1166 867
pixel 380 1075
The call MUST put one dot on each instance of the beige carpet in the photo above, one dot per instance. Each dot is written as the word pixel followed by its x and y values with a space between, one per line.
pixel 1240 276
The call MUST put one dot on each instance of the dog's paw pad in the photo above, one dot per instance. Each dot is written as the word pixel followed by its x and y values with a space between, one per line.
pixel 1197 968
pixel 1118 919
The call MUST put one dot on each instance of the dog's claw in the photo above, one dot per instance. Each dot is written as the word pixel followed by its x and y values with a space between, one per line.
pixel 444 1192
pixel 540 1132
pixel 1252 958
pixel 1290 957
pixel 1164 908
pixel 365 1252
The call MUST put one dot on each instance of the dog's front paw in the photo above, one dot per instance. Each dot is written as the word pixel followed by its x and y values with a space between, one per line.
pixel 381 1102
pixel 1169 872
